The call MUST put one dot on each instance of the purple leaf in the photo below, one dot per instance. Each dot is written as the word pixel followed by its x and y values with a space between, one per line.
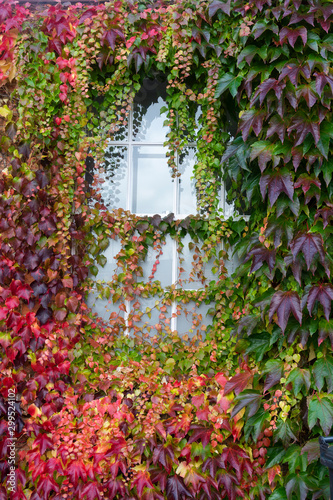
pixel 324 294
pixel 283 303
pixel 217 5
pixel 276 183
pixel 309 244
pixel 321 80
pixel 276 126
pixel 261 255
pixel 251 119
pixel 303 126
pixel 291 35
pixel 292 71
pixel 176 489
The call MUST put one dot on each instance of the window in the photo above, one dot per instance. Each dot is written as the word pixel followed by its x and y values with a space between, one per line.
pixel 137 178
pixel 136 173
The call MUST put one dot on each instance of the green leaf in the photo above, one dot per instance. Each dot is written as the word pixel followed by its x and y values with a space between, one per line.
pixel 279 494
pixel 250 399
pixel 228 81
pixel 323 370
pixel 297 485
pixel 295 459
pixel 299 377
pixel 274 456
pixel 321 409
pixel 255 424
pixel 284 432
pixel 263 150
pixel 94 270
pixel 259 344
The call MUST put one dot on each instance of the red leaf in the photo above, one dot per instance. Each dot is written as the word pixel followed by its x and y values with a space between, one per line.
pixel 326 214
pixel 60 314
pixel 283 303
pixel 303 126
pixel 141 481
pixel 12 302
pixel 238 382
pixel 293 70
pixel 3 313
pixel 72 304
pixel 76 470
pixel 47 484
pixel 203 413
pixel 201 434
pixel 44 443
pixel 265 87
pixel 67 282
pixel 307 182
pixel 92 491
pixel 197 401
pixel 221 379
pixel 276 126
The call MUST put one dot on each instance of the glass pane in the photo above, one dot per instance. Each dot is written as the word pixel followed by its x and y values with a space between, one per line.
pixel 152 181
pixel 232 263
pixel 105 308
pixel 187 193
pixel 147 120
pixel 119 133
pixel 192 319
pixel 163 271
pixel 115 177
pixel 106 273
pixel 193 273
pixel 149 316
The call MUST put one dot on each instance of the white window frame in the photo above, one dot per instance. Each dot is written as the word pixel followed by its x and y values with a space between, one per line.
pixel 228 209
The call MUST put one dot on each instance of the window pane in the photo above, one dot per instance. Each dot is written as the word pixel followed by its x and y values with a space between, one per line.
pixel 163 268
pixel 106 273
pixel 193 319
pixel 115 176
pixel 152 181
pixel 192 272
pixel 120 133
pixel 149 315
pixel 187 194
pixel 105 308
pixel 147 120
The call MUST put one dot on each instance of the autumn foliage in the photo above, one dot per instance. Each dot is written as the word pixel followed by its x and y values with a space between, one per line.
pixel 125 408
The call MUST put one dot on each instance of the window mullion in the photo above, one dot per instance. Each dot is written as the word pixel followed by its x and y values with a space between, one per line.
pixel 174 279
pixel 130 162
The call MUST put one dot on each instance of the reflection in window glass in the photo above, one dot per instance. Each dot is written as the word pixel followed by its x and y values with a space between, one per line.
pixel 115 176
pixel 152 182
pixel 187 193
pixel 148 123
pixel 164 266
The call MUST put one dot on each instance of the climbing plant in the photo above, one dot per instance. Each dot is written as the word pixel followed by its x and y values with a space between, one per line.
pixel 128 408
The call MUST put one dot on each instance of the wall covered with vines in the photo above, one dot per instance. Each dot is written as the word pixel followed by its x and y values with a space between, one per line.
pixel 126 408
